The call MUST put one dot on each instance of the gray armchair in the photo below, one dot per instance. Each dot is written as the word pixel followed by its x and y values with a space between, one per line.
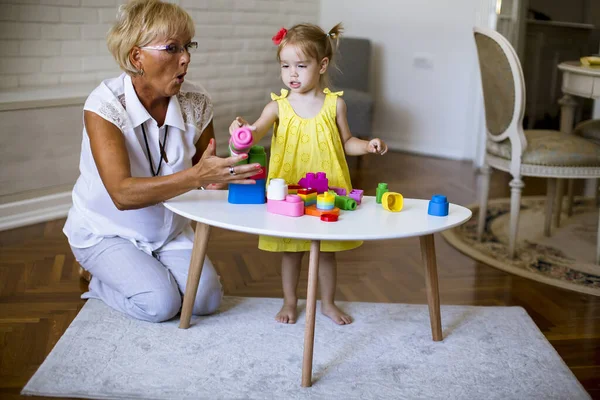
pixel 353 61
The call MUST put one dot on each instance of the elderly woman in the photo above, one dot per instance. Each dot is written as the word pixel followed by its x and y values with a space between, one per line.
pixel 147 137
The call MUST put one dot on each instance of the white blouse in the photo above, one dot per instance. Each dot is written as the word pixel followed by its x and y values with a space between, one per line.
pixel 93 215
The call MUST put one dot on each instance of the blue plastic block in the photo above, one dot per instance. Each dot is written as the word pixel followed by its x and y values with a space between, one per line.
pixel 438 206
pixel 248 194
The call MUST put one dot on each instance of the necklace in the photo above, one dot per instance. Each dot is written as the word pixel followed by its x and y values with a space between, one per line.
pixel 161 146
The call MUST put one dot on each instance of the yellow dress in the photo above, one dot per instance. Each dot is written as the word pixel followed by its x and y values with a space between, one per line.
pixel 302 145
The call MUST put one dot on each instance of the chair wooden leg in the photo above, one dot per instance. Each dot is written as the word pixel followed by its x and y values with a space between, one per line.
pixel 193 279
pixel 560 190
pixel 550 196
pixel 570 192
pixel 516 186
pixel 484 188
pixel 598 242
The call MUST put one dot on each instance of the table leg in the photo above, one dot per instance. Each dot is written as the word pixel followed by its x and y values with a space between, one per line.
pixel 311 305
pixel 431 283
pixel 567 113
pixel 196 263
pixel 567 119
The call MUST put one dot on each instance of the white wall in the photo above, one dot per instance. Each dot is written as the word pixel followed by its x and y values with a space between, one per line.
pixel 423 110
pixel 49 45
pixel 54 53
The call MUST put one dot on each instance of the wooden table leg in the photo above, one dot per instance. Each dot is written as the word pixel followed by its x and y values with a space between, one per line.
pixel 196 263
pixel 431 284
pixel 311 305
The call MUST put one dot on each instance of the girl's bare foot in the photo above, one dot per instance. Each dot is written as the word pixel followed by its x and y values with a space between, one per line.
pixel 336 315
pixel 287 314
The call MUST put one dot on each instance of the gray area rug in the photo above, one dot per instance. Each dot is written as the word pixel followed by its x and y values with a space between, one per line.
pixel 242 353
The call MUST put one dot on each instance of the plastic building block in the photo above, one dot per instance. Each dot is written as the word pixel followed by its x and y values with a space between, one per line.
pixel 357 195
pixel 325 201
pixel 309 196
pixel 247 194
pixel 277 189
pixel 240 141
pixel 329 217
pixel 257 155
pixel 338 190
pixel 315 212
pixel 345 203
pixel 392 201
pixel 381 189
pixel 317 181
pixel 293 189
pixel 438 206
pixel 292 206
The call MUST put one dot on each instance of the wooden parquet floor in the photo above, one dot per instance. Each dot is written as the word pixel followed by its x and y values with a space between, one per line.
pixel 40 286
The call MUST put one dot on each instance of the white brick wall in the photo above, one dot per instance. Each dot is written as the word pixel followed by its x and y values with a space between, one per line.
pixel 62 42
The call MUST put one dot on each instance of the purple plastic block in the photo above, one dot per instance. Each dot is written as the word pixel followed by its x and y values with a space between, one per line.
pixel 338 190
pixel 319 182
pixel 356 194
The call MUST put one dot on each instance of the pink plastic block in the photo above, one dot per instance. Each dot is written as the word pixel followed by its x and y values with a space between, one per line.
pixel 241 140
pixel 292 206
pixel 319 182
pixel 356 194
pixel 338 190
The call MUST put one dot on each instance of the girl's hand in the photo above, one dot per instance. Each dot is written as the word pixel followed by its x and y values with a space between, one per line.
pixel 377 146
pixel 239 122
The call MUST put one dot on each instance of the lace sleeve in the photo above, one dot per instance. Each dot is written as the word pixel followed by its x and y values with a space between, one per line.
pixel 196 107
pixel 108 107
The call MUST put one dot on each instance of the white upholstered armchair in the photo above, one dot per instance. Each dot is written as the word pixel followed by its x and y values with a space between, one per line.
pixel 541 153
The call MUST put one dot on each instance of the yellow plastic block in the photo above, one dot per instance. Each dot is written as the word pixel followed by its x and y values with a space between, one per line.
pixel 392 201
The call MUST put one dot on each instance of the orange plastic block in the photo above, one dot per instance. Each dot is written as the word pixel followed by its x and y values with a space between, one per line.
pixel 316 212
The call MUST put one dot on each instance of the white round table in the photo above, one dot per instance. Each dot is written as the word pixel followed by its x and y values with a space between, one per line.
pixel 368 222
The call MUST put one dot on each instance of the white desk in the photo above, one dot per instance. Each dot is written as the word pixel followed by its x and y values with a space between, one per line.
pixel 369 222
pixel 577 81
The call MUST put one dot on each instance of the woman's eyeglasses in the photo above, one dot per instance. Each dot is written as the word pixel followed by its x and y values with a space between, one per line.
pixel 174 48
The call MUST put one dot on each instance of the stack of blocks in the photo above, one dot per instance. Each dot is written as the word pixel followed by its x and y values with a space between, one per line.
pixel 248 194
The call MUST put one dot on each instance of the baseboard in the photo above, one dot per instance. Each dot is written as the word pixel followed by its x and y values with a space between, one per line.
pixel 426 149
pixel 33 211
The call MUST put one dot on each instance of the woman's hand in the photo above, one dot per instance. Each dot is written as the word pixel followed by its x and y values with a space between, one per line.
pixel 240 122
pixel 377 146
pixel 216 170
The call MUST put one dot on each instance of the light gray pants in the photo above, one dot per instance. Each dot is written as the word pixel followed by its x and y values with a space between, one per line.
pixel 145 287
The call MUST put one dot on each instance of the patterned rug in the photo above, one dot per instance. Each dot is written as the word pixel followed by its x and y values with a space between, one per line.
pixel 566 259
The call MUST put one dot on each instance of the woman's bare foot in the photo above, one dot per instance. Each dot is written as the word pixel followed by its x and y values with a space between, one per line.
pixel 287 314
pixel 338 316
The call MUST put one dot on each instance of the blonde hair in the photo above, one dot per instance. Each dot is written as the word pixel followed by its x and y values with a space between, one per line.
pixel 139 22
pixel 314 43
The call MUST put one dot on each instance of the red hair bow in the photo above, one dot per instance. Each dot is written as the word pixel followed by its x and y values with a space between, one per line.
pixel 279 36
